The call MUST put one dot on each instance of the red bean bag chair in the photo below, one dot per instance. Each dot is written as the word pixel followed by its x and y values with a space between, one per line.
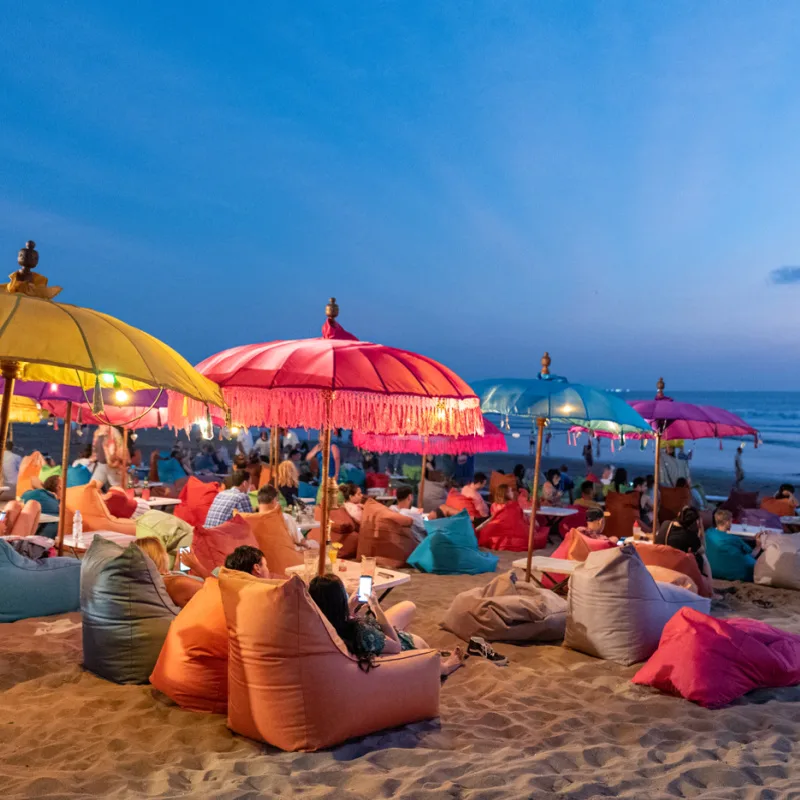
pixel 575 547
pixel 576 520
pixel 196 498
pixel 212 546
pixel 377 480
pixel 713 661
pixel 192 668
pixel 460 502
pixel 508 530
pixel 119 504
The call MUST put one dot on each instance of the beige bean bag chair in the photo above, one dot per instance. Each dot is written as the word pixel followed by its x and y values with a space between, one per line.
pixel 507 610
pixel 779 562
pixel 616 610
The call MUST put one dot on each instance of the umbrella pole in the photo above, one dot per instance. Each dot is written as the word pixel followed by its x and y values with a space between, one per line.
pixel 124 447
pixel 655 482
pixel 421 490
pixel 540 422
pixel 326 457
pixel 274 439
pixel 62 500
pixel 10 372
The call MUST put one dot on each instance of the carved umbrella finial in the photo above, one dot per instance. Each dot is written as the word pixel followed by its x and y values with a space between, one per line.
pixel 27 258
pixel 546 361
pixel 332 310
pixel 25 280
pixel 660 388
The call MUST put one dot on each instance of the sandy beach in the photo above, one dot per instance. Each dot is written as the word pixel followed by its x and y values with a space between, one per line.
pixel 554 723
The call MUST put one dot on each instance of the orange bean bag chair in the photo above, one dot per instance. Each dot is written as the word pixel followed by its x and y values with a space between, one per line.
pixel 212 546
pixel 286 689
pixel 196 498
pixel 780 507
pixel 623 512
pixel 344 530
pixel 459 502
pixel 385 535
pixel 508 530
pixel 671 501
pixel 29 469
pixel 499 479
pixel 662 555
pixel 88 499
pixel 192 668
pixel 274 540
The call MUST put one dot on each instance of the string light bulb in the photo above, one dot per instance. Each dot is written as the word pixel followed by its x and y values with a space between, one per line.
pixel 121 396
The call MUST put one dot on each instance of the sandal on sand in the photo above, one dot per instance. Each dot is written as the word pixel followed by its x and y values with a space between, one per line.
pixel 478 646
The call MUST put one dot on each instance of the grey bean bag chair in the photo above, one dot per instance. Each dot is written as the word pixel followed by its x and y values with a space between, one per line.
pixel 507 610
pixel 617 611
pixel 435 495
pixel 779 562
pixel 126 612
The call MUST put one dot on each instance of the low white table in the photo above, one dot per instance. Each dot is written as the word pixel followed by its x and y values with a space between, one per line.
pixel 751 531
pixel 309 526
pixel 552 511
pixel 790 520
pixel 716 498
pixel 122 539
pixel 383 582
pixel 552 567
pixel 43 518
pixel 162 502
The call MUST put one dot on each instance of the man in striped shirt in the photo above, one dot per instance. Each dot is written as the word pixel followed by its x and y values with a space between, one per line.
pixel 234 499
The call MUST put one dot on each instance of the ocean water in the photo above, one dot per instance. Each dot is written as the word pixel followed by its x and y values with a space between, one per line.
pixel 776 416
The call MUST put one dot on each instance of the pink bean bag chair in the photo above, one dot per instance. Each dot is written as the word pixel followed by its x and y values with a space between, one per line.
pixel 508 530
pixel 212 546
pixel 575 547
pixel 713 661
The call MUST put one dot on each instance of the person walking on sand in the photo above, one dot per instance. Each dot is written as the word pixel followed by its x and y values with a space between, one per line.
pixel 548 437
pixel 738 469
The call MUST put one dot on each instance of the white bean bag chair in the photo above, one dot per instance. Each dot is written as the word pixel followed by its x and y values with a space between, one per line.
pixel 507 610
pixel 779 562
pixel 617 611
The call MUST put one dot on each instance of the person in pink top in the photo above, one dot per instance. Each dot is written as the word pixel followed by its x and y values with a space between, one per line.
pixel 473 491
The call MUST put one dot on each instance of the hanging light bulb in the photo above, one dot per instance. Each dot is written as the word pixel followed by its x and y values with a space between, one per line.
pixel 108 378
pixel 53 387
pixel 121 396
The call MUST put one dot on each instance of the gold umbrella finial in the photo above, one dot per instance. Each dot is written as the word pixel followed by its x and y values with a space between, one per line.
pixel 27 258
pixel 546 361
pixel 25 280
pixel 660 388
pixel 332 310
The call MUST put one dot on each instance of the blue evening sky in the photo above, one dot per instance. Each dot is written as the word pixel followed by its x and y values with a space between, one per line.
pixel 611 181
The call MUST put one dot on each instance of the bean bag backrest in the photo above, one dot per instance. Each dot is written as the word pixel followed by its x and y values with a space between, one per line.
pixel 664 575
pixel 738 501
pixel 575 547
pixel 451 548
pixel 778 506
pixel 435 495
pixel 779 562
pixel 624 512
pixel 96 517
pixel 37 588
pixel 78 476
pixel 508 529
pixel 119 504
pixel 507 610
pixel 730 557
pixel 349 473
pixel 169 469
pixel 196 498
pixel 192 668
pixel 287 669
pixel 172 531
pixel 712 662
pixel 126 612
pixel 29 469
pixel 305 491
pixel 211 546
pixel 662 555
pixel 377 480
pixel 499 479
pixel 672 500
pixel 344 530
pixel 274 540
pixel 576 520
pixel 385 535
pixel 617 611
pixel 459 501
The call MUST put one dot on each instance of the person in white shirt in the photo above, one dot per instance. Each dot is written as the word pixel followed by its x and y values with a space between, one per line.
pixel 244 441
pixel 289 441
pixel 85 459
pixel 11 463
pixel 353 499
pixel 405 506
pixel 262 446
pixel 268 501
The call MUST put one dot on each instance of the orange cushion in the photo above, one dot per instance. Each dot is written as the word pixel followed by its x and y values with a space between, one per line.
pixel 286 689
pixel 212 546
pixel 385 535
pixel 780 507
pixel 196 498
pixel 29 469
pixel 459 501
pixel 499 479
pixel 192 668
pixel 274 540
pixel 662 555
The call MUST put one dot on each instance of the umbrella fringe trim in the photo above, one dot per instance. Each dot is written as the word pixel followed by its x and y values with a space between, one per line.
pixel 433 446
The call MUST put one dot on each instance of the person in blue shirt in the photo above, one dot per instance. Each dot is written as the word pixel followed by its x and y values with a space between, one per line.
pixel 730 557
pixel 47 497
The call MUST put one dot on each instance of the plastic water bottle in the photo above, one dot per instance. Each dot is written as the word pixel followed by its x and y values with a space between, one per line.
pixel 77 529
pixel 637 531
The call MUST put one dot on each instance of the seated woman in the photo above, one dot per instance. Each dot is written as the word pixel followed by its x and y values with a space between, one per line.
pixel 731 558
pixel 47 497
pixel 353 501
pixel 684 533
pixel 786 492
pixel 502 494
pixel 180 587
pixel 551 496
pixel 288 482
pixel 372 634
pixel 619 483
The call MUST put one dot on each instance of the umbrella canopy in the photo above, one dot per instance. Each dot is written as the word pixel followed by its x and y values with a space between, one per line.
pixel 338 381
pixel 493 440
pixel 24 409
pixel 687 421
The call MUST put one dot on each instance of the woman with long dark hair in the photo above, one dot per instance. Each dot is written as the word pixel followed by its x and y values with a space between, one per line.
pixel 684 533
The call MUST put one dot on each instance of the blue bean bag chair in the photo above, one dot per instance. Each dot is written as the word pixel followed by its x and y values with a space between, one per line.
pixel 305 491
pixel 730 557
pixel 169 468
pixel 78 476
pixel 352 474
pixel 451 548
pixel 37 588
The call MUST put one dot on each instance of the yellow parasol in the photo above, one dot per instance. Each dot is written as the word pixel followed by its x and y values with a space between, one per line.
pixel 41 340
pixel 24 409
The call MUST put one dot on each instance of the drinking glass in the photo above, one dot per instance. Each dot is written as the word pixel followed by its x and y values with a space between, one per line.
pixel 310 564
pixel 368 566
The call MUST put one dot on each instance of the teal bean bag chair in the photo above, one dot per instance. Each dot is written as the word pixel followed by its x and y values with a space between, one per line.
pixel 37 588
pixel 730 557
pixel 451 548
pixel 49 504
pixel 78 476
pixel 305 491
pixel 352 474
pixel 169 468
